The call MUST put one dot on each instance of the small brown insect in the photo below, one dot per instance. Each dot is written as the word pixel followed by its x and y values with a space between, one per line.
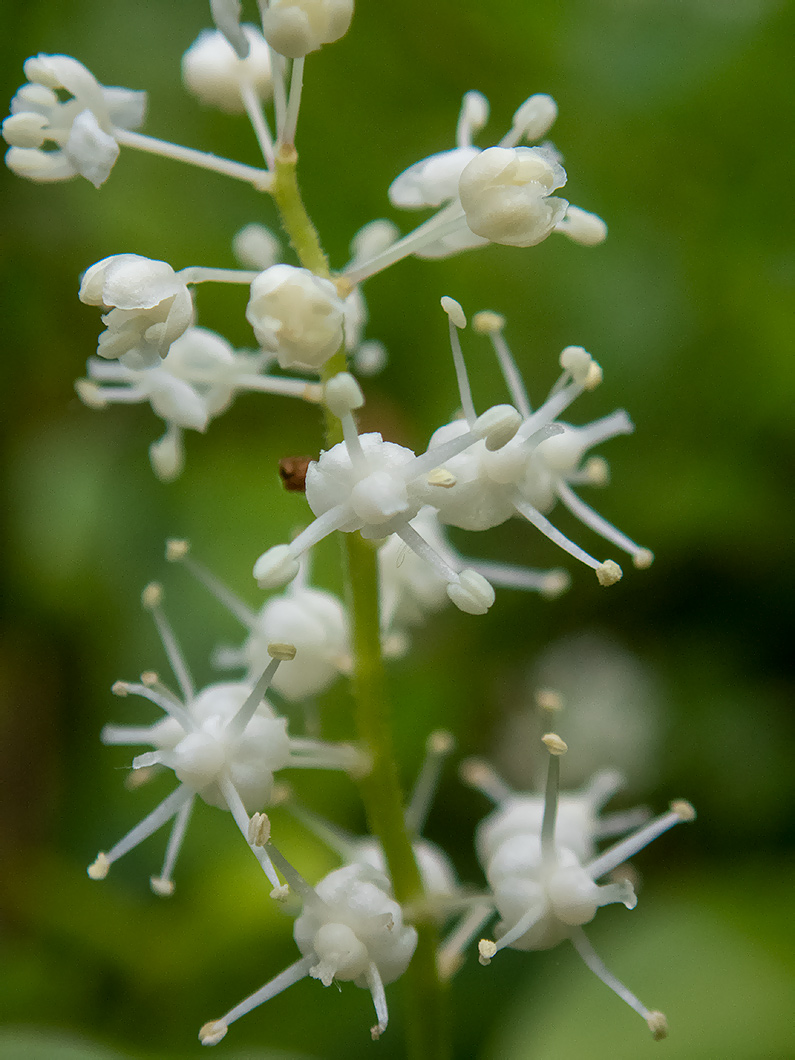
pixel 293 472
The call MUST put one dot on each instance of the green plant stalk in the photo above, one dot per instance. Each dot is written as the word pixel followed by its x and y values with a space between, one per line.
pixel 425 994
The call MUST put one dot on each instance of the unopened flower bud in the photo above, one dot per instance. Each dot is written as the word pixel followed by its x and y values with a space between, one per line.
pixel 297 315
pixel 213 72
pixel 505 193
pixel 296 27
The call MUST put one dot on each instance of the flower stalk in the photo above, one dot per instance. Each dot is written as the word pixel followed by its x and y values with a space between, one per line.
pixel 426 1025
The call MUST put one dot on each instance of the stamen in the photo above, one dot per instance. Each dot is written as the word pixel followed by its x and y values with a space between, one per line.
pixel 491 324
pixel 448 957
pixel 657 1022
pixel 641 557
pixel 521 927
pixel 549 700
pixel 342 842
pixel 177 552
pixel 417 543
pixel 472 117
pixel 238 811
pixel 200 274
pixel 163 884
pixel 557 402
pixel 278 653
pixel 627 848
pixel 545 526
pixel 212 1032
pixel 440 744
pixel 161 698
pixel 376 987
pixel 305 892
pixel 478 774
pixel 457 319
pixel 150 824
pixel 151 599
pixel 556 748
pixel 550 583
pixel 125 735
pixel 259 830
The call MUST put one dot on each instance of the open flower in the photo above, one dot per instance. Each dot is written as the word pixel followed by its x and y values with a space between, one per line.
pixel 542 888
pixel 350 929
pixel 195 382
pixel 542 461
pixel 80 128
pixel 377 488
pixel 223 744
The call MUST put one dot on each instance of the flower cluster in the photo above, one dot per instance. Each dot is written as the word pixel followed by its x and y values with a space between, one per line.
pixel 227 743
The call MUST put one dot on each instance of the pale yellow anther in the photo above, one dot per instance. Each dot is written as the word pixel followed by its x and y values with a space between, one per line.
pixel 593 377
pixel 376 1032
pixel 549 699
pixel 597 471
pixel 99 868
pixel 440 476
pixel 658 1025
pixel 609 572
pixel 643 559
pixel 90 394
pixel 281 792
pixel 212 1032
pixel 486 322
pixel 486 950
pixel 152 595
pixel 136 778
pixel 454 311
pixel 343 285
pixel 554 744
pixel 149 678
pixel 441 742
pixel 280 894
pixel 120 688
pixel 160 887
pixel 683 810
pixel 313 393
pixel 474 772
pixel 285 652
pixel 176 549
pixel 259 830
pixel 556 582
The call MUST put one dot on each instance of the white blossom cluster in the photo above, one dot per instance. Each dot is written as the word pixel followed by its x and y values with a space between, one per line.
pixel 226 743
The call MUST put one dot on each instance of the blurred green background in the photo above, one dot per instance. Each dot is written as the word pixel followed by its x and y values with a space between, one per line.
pixel 675 123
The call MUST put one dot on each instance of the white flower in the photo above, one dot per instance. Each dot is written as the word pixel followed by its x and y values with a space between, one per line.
pixel 80 128
pixel 377 488
pixel 350 930
pixel 312 620
pixel 195 382
pixel 223 743
pixel 256 247
pixel 506 195
pixel 296 27
pixel 544 891
pixel 297 315
pixel 147 306
pixel 212 71
pixel 540 463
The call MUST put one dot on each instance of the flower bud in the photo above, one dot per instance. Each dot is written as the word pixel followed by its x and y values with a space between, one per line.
pixel 296 314
pixel 212 71
pixel 505 193
pixel 296 27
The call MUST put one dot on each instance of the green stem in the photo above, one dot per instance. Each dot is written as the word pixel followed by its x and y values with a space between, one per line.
pixel 426 1028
